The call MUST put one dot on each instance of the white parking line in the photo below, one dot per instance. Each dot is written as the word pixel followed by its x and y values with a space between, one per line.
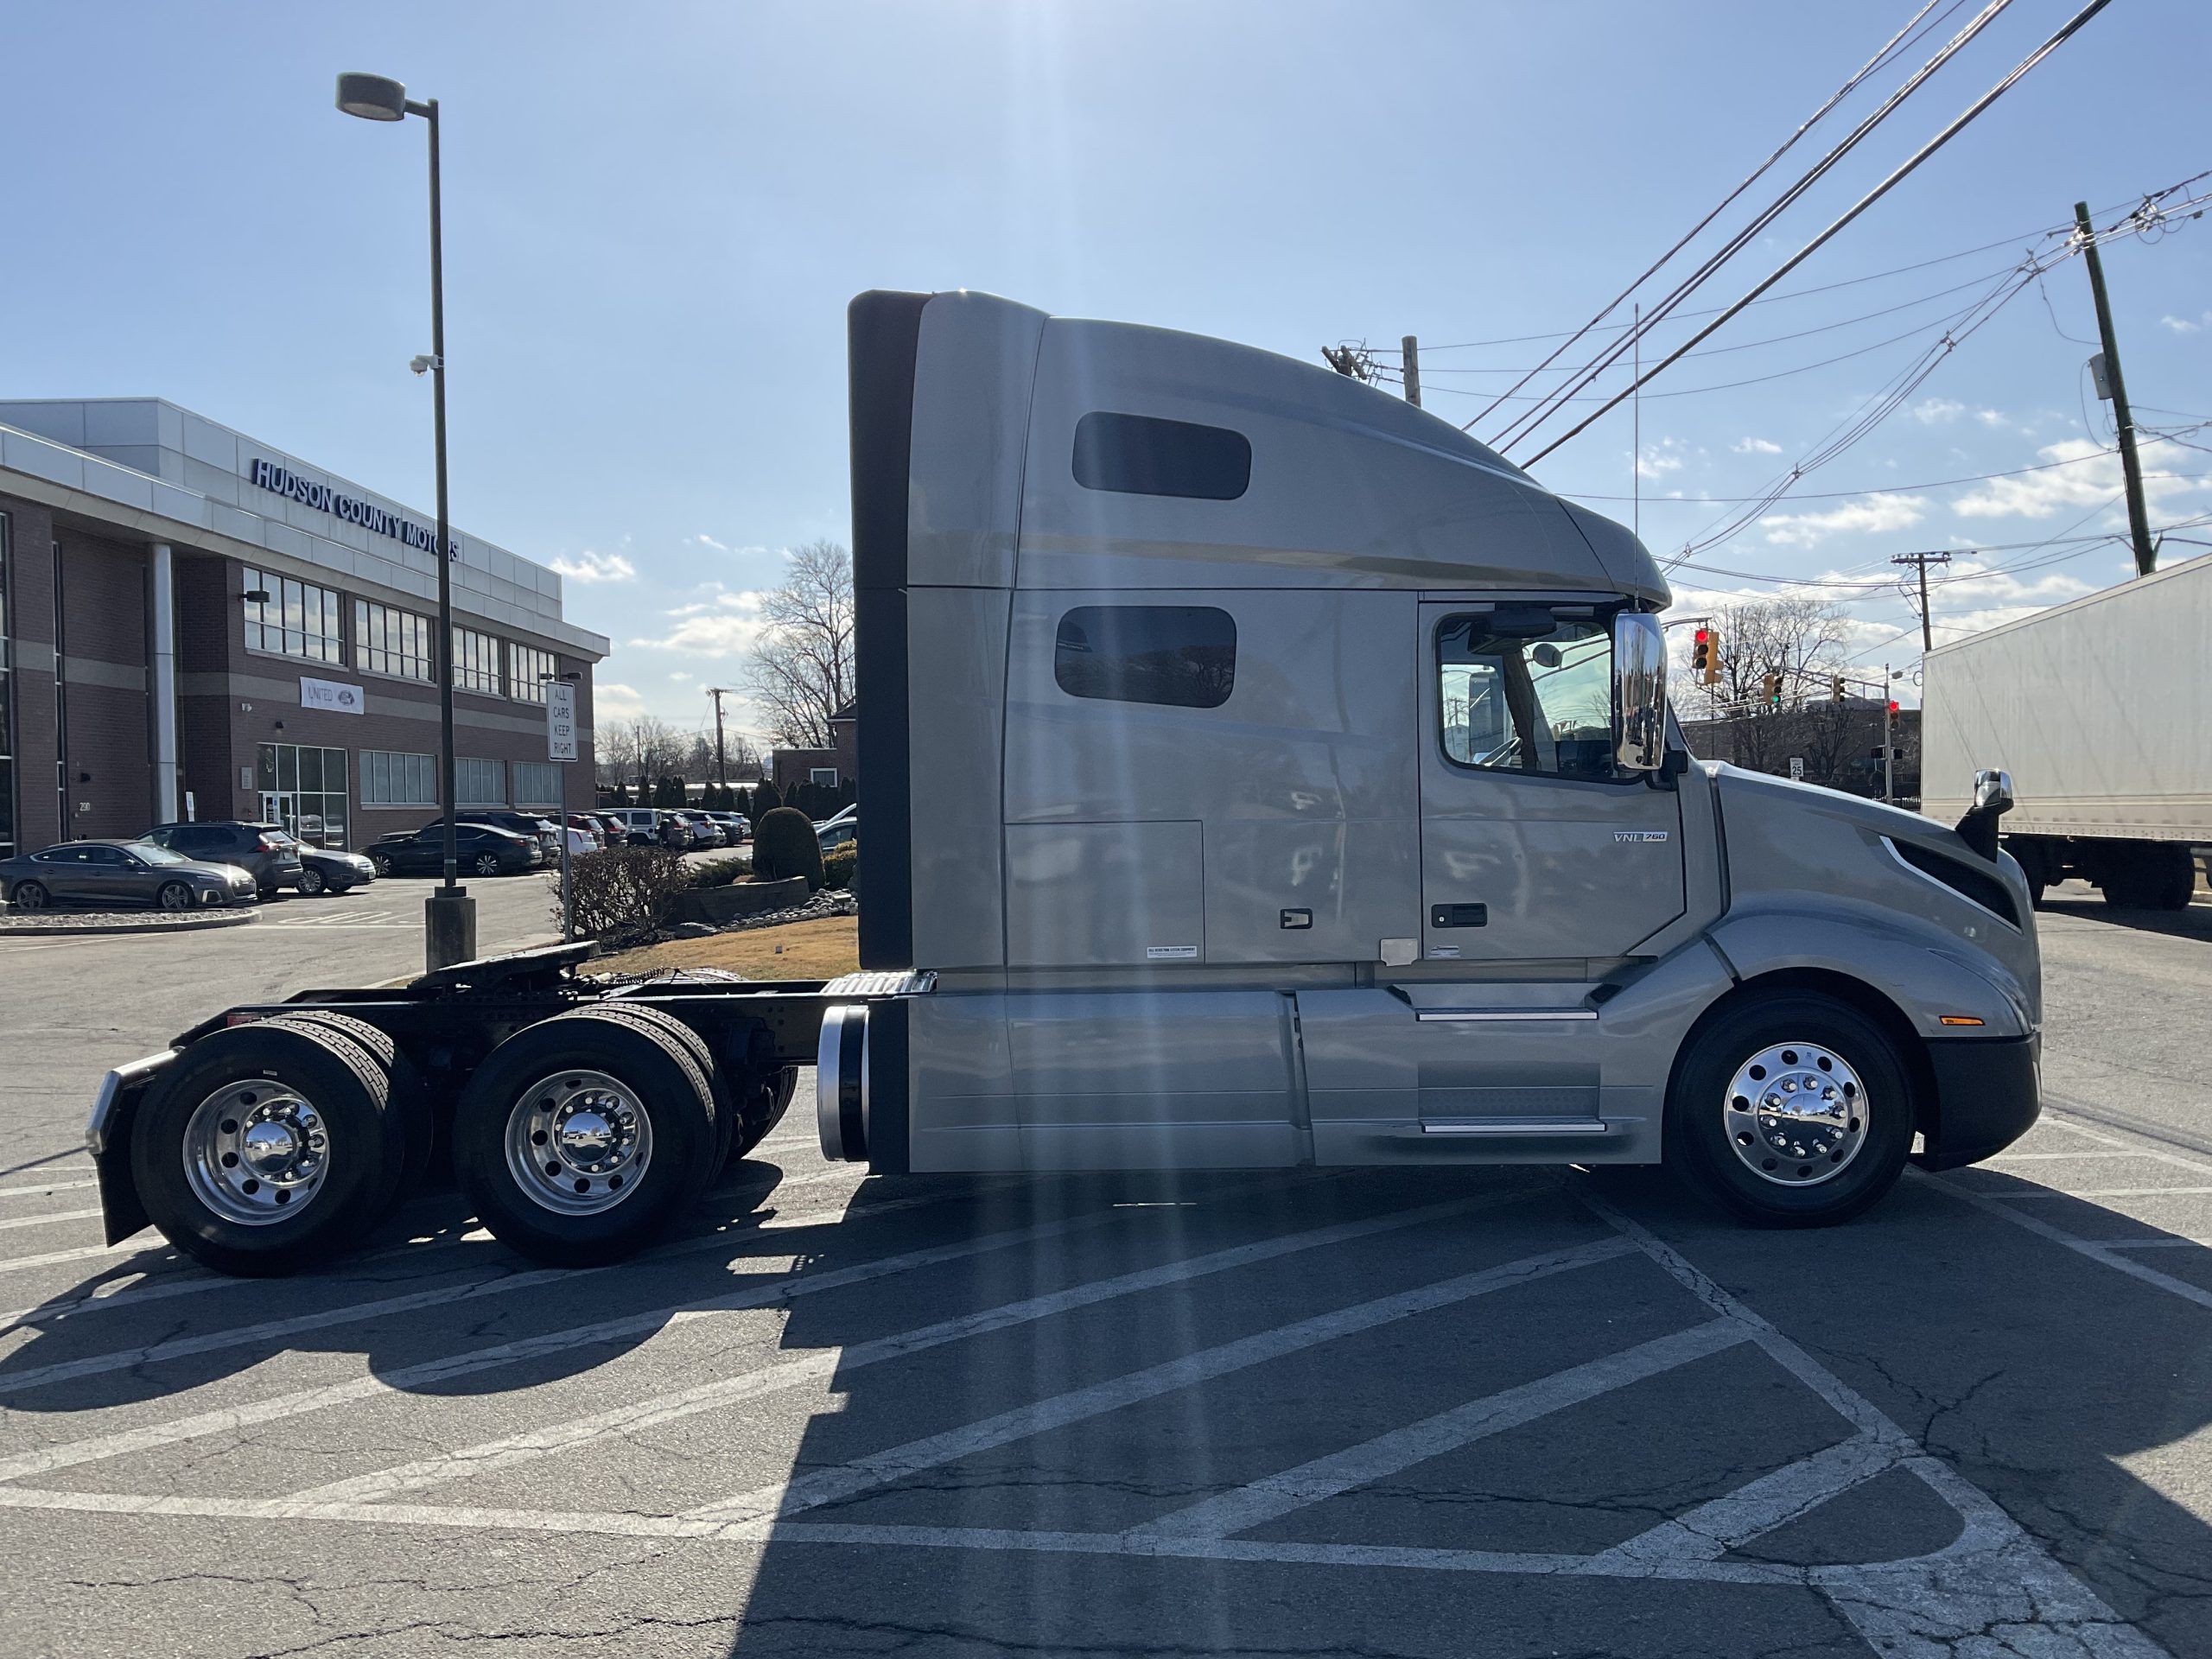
pixel 644 1413
pixel 12 1222
pixel 1733 1520
pixel 50 1187
pixel 2104 1254
pixel 1393 1453
pixel 2110 1192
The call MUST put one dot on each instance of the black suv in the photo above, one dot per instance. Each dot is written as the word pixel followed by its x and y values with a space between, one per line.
pixel 266 851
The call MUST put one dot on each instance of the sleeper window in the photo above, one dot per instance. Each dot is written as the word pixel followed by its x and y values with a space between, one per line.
pixel 1184 655
pixel 1519 690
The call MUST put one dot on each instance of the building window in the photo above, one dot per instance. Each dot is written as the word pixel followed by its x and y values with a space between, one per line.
pixel 526 668
pixel 475 662
pixel 537 783
pixel 1184 655
pixel 304 790
pixel 297 620
pixel 388 641
pixel 394 779
pixel 480 783
pixel 7 710
pixel 823 775
pixel 1140 455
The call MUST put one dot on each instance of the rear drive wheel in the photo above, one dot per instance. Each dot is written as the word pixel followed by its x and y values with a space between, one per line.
pixel 1791 1110
pixel 727 1116
pixel 311 881
pixel 29 895
pixel 174 895
pixel 581 1137
pixel 487 864
pixel 265 1147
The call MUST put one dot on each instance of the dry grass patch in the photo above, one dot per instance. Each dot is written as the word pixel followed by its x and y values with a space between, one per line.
pixel 817 949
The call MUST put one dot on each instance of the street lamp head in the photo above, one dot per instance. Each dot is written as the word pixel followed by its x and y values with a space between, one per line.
pixel 373 98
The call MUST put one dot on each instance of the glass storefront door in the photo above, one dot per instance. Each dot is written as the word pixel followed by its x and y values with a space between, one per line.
pixel 304 790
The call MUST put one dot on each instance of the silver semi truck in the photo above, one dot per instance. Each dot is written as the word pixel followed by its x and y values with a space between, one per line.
pixel 2102 711
pixel 1258 772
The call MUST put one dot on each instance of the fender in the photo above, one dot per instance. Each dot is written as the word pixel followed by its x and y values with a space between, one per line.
pixel 1917 966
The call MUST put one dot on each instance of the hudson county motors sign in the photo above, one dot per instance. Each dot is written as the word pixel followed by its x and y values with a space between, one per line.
pixel 283 480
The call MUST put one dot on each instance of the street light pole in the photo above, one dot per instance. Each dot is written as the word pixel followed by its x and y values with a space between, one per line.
pixel 449 914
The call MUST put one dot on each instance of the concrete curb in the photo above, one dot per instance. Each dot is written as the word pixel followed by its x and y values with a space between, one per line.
pixel 11 929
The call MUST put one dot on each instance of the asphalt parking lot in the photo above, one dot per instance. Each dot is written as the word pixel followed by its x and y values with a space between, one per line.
pixel 1500 1412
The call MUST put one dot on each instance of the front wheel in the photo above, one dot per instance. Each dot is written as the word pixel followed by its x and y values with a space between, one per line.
pixel 29 895
pixel 1791 1110
pixel 311 882
pixel 487 864
pixel 380 864
pixel 174 895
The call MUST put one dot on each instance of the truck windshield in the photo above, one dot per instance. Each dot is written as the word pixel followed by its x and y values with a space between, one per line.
pixel 1527 691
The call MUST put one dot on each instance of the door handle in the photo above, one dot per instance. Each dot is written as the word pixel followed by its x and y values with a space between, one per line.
pixel 1458 916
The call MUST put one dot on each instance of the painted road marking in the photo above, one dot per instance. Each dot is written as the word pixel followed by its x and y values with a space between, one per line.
pixel 49 1220
pixel 50 1187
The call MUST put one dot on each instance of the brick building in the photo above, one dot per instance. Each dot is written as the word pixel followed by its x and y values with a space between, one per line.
pixel 831 767
pixel 193 624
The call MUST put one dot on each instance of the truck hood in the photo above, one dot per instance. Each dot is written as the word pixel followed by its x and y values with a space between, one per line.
pixel 1789 842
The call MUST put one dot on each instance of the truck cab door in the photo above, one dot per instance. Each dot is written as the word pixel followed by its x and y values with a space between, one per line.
pixel 1536 847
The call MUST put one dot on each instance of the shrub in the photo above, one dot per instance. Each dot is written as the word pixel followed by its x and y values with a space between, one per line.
pixel 719 873
pixel 624 893
pixel 784 845
pixel 840 866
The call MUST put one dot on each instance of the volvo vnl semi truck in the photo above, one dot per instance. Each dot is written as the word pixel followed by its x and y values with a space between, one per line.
pixel 1258 773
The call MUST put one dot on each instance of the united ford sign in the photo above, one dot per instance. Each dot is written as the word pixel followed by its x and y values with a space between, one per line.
pixel 283 480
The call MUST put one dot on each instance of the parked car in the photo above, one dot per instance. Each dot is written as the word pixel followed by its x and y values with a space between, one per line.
pixel 483 850
pixel 705 832
pixel 120 873
pixel 268 852
pixel 535 824
pixel 843 816
pixel 735 827
pixel 641 825
pixel 676 832
pixel 325 869
pixel 845 827
pixel 596 827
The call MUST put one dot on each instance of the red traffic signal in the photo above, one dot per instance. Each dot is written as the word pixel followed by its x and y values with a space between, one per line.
pixel 1893 709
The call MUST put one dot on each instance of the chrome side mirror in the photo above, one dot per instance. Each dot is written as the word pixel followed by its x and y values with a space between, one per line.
pixel 1639 692
pixel 1992 799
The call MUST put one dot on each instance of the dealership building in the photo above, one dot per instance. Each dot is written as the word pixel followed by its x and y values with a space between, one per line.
pixel 193 624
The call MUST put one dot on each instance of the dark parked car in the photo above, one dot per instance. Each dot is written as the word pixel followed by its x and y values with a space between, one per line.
pixel 484 849
pixel 268 852
pixel 105 873
pixel 324 870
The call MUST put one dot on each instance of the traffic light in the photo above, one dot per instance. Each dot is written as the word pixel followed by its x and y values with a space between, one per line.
pixel 1835 690
pixel 1773 683
pixel 1705 662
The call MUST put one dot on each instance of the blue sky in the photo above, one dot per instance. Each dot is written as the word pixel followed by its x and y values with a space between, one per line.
pixel 657 212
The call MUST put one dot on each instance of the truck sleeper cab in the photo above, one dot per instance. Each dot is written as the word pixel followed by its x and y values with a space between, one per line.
pixel 1258 773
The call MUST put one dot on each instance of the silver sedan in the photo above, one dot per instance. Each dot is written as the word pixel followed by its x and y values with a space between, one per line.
pixel 102 873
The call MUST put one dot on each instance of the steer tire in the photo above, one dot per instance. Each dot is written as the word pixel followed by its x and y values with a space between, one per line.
pixel 1699 1134
pixel 350 1093
pixel 410 1101
pixel 667 1089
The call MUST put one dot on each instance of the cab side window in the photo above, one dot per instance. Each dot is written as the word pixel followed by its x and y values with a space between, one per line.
pixel 1522 689
pixel 1183 656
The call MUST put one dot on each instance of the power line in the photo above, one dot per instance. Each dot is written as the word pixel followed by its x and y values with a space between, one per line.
pixel 1911 163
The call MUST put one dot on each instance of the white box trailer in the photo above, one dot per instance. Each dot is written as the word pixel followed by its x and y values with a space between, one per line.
pixel 2101 710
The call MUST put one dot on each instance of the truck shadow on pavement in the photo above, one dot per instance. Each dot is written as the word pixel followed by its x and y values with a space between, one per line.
pixel 2194 923
pixel 1266 1458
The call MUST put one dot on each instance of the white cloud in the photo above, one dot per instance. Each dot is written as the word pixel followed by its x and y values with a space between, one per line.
pixel 1932 411
pixel 727 628
pixel 704 540
pixel 679 676
pixel 1755 447
pixel 2184 326
pixel 2090 474
pixel 596 567
pixel 1868 515
pixel 1993 418
pixel 1660 459
pixel 612 700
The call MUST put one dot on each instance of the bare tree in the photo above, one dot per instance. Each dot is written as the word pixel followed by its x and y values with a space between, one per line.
pixel 655 750
pixel 1798 637
pixel 802 669
pixel 614 751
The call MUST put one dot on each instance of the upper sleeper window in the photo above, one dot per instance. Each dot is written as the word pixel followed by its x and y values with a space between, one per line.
pixel 1184 655
pixel 1140 455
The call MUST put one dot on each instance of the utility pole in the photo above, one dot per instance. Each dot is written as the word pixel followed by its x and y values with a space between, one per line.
pixel 1635 424
pixel 1412 346
pixel 1889 734
pixel 1923 561
pixel 722 760
pixel 2139 521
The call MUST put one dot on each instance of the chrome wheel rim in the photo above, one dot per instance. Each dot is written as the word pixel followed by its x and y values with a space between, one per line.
pixel 176 896
pixel 578 1142
pixel 257 1152
pixel 1796 1114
